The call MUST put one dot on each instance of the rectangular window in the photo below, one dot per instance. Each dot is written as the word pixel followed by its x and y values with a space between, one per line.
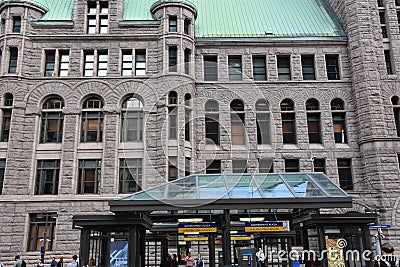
pixel 266 166
pixel 187 124
pixel 52 127
pixel 345 176
pixel 319 165
pixel 173 24
pixel 186 26
pixel 211 68
pixel 332 67
pixel 384 32
pixel 235 68
pixel 50 63
pixel 292 165
pixel 259 68
pixel 284 73
pixel 89 176
pixel 239 166
pixel 314 127
pixel 263 128
pixel 396 112
pixel 92 126
pixel 173 59
pixel 380 3
pixel 97 17
pixel 308 67
pixel 388 60
pixel 12 66
pixel 2 171
pixel 89 63
pixel 187 61
pixel 339 127
pixel 41 227
pixel 16 25
pixel 5 125
pixel 212 128
pixel 130 175
pixel 213 166
pixel 173 116
pixel 102 63
pixel 64 64
pixel 187 166
pixel 288 128
pixel 397 2
pixel 382 19
pixel 140 62
pixel 398 18
pixel 238 128
pixel 172 168
pixel 127 65
pixel 1 164
pixel 47 177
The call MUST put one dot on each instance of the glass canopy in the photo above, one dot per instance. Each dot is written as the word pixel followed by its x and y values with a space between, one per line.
pixel 245 186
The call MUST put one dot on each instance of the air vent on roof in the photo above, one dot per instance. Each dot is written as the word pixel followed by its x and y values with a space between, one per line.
pixel 269 33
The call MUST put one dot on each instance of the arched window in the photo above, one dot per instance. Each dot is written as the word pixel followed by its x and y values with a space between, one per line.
pixel 288 122
pixel 339 120
pixel 396 113
pixel 6 117
pixel 92 120
pixel 237 122
pixel 263 122
pixel 313 121
pixel 172 115
pixel 188 114
pixel 132 120
pixel 52 121
pixel 212 122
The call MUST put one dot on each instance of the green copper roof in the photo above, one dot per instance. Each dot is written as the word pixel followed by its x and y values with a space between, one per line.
pixel 253 18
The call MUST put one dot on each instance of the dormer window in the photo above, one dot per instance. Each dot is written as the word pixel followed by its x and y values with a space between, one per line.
pixel 97 17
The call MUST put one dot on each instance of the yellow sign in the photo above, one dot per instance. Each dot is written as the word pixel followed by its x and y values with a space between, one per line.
pixel 238 237
pixel 197 227
pixel 195 237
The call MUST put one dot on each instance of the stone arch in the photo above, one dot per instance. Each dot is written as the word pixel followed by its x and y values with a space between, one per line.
pixel 12 88
pixel 144 92
pixel 388 91
pixel 99 88
pixel 43 91
pixel 357 207
pixel 345 95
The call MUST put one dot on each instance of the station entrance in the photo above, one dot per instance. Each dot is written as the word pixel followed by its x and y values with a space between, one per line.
pixel 225 218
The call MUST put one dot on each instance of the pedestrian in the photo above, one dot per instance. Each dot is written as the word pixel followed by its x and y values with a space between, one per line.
pixel 74 262
pixel 39 263
pixel 387 259
pixel 53 262
pixel 91 263
pixel 260 257
pixel 174 261
pixel 19 262
pixel 189 260
pixel 60 263
pixel 199 261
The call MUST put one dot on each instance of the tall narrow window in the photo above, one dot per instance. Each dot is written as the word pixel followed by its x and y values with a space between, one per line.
pixel 173 59
pixel 130 175
pixel 292 165
pixel 187 61
pixel 89 176
pixel 382 19
pixel 332 67
pixel 50 63
pixel 235 68
pixel 345 176
pixel 308 67
pixel 52 121
pixel 140 62
pixel 89 63
pixel 211 68
pixel 6 119
pixel 284 72
pixel 339 120
pixel 259 68
pixel 16 25
pixel 319 165
pixel 212 122
pixel 187 166
pixel 398 19
pixel 213 166
pixel 396 113
pixel 102 63
pixel 173 24
pixel 127 64
pixel 41 226
pixel 172 168
pixel 172 115
pixel 188 114
pixel 263 122
pixel 397 2
pixel 47 177
pixel 12 66
pixel 380 3
pixel 237 122
pixel 313 121
pixel 266 166
pixel 64 64
pixel 288 122
pixel 92 120
pixel 132 120
pixel 97 17
pixel 388 61
pixel 2 171
pixel 239 166
pixel 186 26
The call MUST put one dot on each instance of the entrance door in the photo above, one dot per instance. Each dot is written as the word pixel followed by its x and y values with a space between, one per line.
pixel 153 253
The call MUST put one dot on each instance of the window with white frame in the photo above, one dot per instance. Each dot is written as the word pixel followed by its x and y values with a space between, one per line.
pixel 130 175
pixel 132 120
pixel 95 63
pixel 92 120
pixel 238 136
pixel 52 121
pixel 89 173
pixel 97 17
pixel 47 177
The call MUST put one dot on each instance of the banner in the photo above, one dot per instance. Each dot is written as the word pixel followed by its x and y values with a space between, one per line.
pixel 251 227
pixel 210 227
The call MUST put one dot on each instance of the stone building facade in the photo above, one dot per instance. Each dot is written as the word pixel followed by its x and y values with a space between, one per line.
pixel 70 82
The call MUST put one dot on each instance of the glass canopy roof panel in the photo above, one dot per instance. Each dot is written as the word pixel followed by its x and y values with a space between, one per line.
pixel 302 185
pixel 152 194
pixel 272 186
pixel 328 185
pixel 212 187
pixel 183 188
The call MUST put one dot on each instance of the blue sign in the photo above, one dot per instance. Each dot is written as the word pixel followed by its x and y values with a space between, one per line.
pixel 263 226
pixel 385 226
pixel 210 227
